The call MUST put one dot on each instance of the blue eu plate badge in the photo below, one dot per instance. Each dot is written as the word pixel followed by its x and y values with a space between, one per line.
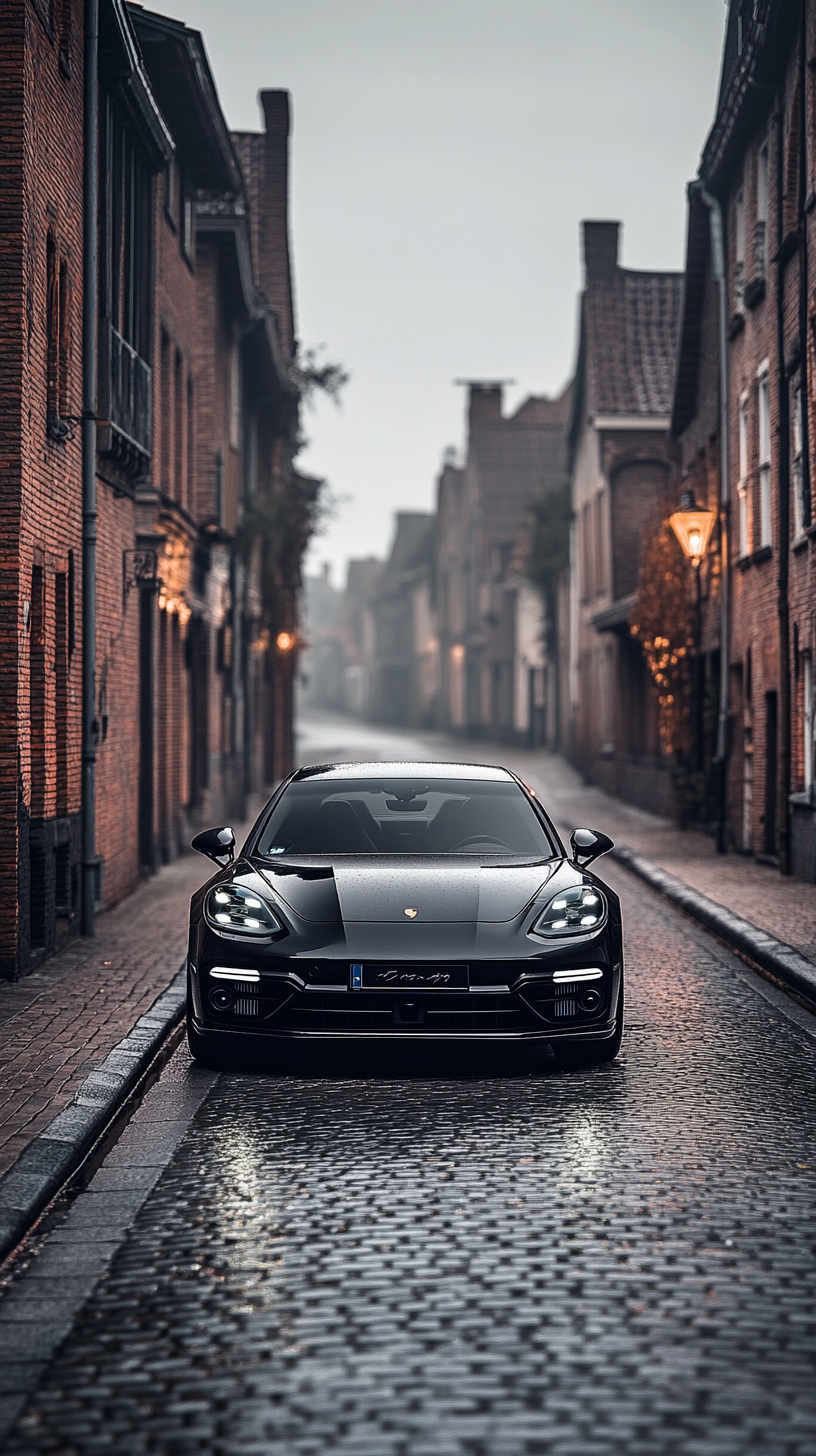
pixel 356 978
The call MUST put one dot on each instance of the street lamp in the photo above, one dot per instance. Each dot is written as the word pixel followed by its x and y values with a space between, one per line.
pixel 692 527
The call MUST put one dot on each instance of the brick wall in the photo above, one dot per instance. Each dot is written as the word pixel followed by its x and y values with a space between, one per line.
pixel 40 483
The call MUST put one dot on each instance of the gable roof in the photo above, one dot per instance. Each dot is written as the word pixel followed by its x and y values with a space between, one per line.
pixel 630 325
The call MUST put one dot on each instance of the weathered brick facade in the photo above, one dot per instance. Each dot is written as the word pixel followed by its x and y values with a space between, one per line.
pixel 40 492
pixel 197 413
pixel 757 169
pixel 621 465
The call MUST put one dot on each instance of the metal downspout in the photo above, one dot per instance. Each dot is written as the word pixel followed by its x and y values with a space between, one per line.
pixel 718 263
pixel 89 245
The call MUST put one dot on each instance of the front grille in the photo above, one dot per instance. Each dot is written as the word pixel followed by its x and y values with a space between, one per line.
pixel 380 1014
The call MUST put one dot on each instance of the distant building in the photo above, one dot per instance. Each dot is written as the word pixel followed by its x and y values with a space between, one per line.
pixel 402 644
pixel 622 474
pixel 494 681
pixel 321 663
pixel 358 631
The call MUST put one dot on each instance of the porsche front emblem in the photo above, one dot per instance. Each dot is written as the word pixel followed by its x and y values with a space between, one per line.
pixel 412 914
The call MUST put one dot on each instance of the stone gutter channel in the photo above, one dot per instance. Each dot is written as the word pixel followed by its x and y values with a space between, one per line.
pixel 57 1154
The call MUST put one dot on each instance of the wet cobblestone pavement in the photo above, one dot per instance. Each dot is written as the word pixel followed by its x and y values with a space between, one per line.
pixel 608 1261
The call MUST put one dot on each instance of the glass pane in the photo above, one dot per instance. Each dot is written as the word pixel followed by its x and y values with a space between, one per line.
pixel 404 816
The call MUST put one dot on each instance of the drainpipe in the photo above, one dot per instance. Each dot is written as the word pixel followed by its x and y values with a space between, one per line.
pixel 89 225
pixel 783 605
pixel 718 264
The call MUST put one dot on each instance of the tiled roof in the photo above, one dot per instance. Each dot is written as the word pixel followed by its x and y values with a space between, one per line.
pixel 631 325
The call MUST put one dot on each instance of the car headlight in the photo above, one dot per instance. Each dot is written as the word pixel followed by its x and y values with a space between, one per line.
pixel 577 911
pixel 239 911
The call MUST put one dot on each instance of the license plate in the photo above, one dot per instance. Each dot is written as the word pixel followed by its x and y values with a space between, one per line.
pixel 410 978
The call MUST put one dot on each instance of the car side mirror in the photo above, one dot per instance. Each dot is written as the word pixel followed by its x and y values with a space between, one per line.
pixel 217 844
pixel 589 844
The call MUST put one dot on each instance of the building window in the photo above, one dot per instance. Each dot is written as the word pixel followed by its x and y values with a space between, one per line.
pixel 808 719
pixel 125 292
pixel 762 211
pixel 187 223
pixel 742 488
pixel 739 254
pixel 797 473
pixel 171 194
pixel 764 402
pixel 178 430
pixel 166 458
pixel 234 425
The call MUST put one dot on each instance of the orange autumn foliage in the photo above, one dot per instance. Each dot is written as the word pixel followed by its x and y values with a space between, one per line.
pixel 663 623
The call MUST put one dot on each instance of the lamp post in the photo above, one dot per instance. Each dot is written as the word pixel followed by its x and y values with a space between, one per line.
pixel 693 526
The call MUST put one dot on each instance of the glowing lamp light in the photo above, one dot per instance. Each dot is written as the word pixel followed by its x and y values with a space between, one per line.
pixel 692 527
pixel 285 641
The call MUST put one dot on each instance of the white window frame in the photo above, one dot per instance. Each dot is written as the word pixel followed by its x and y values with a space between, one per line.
pixel 739 250
pixel 742 487
pixel 762 183
pixel 761 225
pixel 797 438
pixel 764 440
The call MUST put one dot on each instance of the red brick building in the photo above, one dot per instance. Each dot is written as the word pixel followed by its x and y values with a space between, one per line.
pixel 756 185
pixel 621 467
pixel 201 517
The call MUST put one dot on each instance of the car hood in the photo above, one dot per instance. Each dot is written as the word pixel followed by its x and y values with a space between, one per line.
pixel 378 891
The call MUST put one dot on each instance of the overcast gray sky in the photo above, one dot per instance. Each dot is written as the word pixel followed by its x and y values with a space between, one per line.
pixel 443 155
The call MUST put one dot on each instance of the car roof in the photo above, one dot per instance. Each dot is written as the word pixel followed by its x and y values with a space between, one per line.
pixel 398 769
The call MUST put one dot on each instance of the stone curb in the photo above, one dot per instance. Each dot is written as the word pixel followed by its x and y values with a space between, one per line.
pixel 51 1158
pixel 771 955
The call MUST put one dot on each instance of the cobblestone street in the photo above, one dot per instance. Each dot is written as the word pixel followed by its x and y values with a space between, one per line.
pixel 456 1260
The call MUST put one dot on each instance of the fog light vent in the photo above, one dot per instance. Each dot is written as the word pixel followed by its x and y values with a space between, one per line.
pixel 565 1006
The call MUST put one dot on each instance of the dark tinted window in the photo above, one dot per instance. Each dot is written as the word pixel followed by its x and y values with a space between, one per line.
pixel 404 816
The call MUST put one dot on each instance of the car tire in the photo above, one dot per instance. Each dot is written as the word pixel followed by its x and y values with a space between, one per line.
pixel 598 1054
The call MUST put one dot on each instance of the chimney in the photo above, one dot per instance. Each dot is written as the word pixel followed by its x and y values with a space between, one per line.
pixel 274 263
pixel 600 251
pixel 485 405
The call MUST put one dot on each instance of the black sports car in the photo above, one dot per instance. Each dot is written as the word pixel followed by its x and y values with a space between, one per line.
pixel 417 901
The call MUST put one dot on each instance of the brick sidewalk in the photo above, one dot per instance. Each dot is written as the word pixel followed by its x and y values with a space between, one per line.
pixel 59 1023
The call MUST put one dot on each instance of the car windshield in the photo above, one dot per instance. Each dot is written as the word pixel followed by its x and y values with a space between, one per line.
pixel 404 816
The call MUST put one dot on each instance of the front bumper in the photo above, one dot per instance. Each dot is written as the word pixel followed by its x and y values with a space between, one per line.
pixel 506 1002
